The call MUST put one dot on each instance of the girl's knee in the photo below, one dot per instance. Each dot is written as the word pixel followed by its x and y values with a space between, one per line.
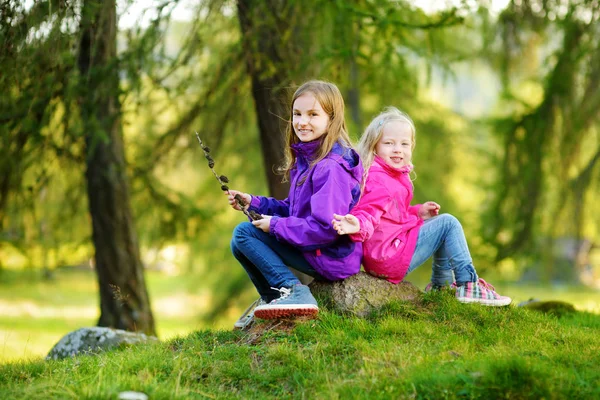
pixel 241 231
pixel 449 219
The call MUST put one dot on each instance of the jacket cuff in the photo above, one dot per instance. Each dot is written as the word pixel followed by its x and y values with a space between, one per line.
pixel 415 209
pixel 254 203
pixel 358 236
pixel 273 227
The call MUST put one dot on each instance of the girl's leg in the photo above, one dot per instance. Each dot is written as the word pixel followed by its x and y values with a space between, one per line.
pixel 441 272
pixel 266 260
pixel 260 283
pixel 443 237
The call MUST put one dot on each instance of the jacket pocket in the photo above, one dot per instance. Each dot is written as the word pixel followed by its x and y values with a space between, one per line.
pixel 398 244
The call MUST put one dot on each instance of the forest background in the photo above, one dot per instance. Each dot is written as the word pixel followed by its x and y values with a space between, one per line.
pixel 109 214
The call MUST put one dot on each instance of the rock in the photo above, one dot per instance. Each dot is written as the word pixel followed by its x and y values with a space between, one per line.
pixel 93 340
pixel 555 307
pixel 362 293
pixel 527 302
pixel 130 395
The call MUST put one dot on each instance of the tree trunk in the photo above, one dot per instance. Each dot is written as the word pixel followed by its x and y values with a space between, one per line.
pixel 124 302
pixel 260 38
pixel 271 60
pixel 354 90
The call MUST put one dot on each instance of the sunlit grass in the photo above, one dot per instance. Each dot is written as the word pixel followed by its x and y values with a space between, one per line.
pixel 36 313
pixel 435 349
pixel 582 297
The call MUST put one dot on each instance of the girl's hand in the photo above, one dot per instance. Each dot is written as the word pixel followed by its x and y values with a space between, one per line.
pixel 263 224
pixel 429 209
pixel 231 197
pixel 345 224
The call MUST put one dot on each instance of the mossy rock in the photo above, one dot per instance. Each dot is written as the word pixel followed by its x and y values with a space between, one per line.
pixel 93 340
pixel 361 294
pixel 554 307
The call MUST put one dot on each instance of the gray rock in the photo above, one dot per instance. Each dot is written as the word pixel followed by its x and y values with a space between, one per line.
pixel 362 293
pixel 527 302
pixel 94 340
pixel 130 395
pixel 554 307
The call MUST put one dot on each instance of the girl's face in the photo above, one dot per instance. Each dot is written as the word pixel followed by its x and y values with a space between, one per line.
pixel 395 145
pixel 309 120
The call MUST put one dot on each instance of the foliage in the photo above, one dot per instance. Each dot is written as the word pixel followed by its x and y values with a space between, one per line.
pixel 435 349
pixel 548 55
pixel 38 147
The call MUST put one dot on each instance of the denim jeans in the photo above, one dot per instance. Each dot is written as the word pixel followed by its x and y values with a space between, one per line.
pixel 443 237
pixel 266 260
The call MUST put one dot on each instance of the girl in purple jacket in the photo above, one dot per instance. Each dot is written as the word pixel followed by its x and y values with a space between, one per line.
pixel 325 175
pixel 398 237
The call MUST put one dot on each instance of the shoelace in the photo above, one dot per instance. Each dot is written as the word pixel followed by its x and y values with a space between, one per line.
pixel 285 292
pixel 486 285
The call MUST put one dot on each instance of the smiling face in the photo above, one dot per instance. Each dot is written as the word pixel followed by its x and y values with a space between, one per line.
pixel 395 144
pixel 309 120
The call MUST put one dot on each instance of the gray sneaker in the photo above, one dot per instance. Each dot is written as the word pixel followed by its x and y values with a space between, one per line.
pixel 294 302
pixel 247 318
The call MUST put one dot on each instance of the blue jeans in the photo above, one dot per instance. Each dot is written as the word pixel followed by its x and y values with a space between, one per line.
pixel 266 260
pixel 443 237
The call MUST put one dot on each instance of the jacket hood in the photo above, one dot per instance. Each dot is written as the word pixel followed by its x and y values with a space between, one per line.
pixel 343 154
pixel 347 157
pixel 306 150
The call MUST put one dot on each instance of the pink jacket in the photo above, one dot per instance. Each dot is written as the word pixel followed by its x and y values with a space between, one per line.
pixel 389 226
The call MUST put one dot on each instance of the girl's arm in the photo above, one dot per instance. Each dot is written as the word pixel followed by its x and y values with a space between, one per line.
pixel 331 195
pixel 246 198
pixel 428 210
pixel 372 205
pixel 270 206
pixel 414 210
pixel 345 224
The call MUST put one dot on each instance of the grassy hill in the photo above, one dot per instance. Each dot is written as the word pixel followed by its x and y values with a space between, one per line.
pixel 435 349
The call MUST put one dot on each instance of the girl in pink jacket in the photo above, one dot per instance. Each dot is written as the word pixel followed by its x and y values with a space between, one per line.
pixel 398 237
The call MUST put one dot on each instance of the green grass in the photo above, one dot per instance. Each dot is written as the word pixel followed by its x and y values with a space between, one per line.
pixel 433 350
pixel 36 313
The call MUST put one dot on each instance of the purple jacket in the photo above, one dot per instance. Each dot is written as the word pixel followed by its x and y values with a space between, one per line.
pixel 303 220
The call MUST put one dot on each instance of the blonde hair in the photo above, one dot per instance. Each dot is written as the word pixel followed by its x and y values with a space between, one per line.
pixel 330 98
pixel 372 135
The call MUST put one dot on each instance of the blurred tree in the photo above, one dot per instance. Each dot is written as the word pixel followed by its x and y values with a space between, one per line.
pixel 36 60
pixel 267 29
pixel 551 149
pixel 286 42
pixel 124 302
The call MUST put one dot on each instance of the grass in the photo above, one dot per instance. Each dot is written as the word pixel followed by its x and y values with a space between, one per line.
pixel 35 313
pixel 432 350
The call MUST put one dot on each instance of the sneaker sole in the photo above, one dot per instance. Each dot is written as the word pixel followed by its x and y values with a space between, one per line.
pixel 282 312
pixel 485 302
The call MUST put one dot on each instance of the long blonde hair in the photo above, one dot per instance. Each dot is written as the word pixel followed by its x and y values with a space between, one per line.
pixel 330 98
pixel 372 135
